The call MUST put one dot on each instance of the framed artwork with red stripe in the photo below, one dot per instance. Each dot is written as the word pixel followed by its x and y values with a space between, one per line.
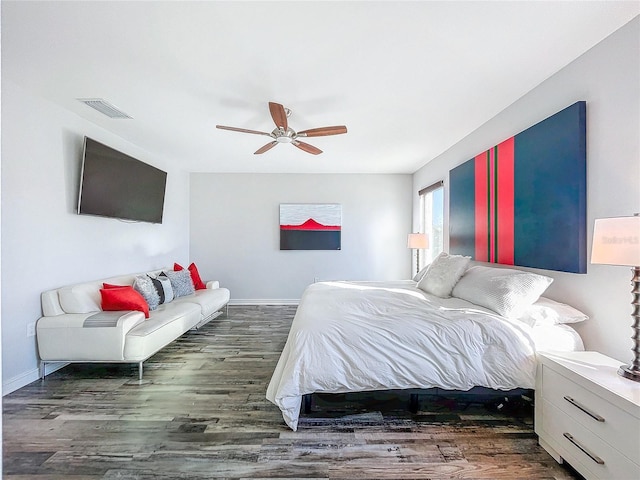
pixel 523 201
pixel 310 226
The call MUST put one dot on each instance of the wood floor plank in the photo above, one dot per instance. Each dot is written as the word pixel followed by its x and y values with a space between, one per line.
pixel 201 413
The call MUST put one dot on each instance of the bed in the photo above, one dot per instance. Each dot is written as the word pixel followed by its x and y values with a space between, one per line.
pixel 366 336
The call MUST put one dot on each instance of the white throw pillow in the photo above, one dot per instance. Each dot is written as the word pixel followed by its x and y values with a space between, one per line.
pixel 420 275
pixel 443 274
pixel 507 292
pixel 549 312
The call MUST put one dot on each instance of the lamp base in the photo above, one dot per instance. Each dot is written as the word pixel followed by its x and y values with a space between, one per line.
pixel 627 371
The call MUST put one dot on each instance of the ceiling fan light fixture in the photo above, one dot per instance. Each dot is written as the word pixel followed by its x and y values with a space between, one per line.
pixel 285 134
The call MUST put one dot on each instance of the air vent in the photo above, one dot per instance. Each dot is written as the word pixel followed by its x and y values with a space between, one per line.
pixel 104 107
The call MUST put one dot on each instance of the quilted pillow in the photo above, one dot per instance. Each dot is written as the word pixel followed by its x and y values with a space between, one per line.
pixel 144 286
pixel 443 274
pixel 180 282
pixel 549 312
pixel 123 298
pixel 507 292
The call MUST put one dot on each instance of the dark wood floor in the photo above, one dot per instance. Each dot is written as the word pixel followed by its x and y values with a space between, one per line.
pixel 201 413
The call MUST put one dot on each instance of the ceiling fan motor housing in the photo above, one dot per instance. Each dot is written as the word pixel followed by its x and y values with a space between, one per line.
pixel 284 136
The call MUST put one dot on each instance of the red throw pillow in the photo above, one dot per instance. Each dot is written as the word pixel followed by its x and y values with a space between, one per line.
pixel 198 284
pixel 195 276
pixel 123 298
pixel 109 285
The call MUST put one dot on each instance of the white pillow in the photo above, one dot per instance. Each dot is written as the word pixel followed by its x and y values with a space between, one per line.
pixel 443 274
pixel 549 312
pixel 420 275
pixel 507 292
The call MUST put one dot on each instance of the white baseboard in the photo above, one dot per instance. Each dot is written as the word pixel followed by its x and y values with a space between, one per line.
pixel 28 377
pixel 264 301
pixel 13 384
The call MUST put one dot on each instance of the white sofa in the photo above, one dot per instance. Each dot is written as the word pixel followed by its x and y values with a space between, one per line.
pixel 74 329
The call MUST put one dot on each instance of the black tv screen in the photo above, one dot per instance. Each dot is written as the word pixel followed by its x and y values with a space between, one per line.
pixel 113 184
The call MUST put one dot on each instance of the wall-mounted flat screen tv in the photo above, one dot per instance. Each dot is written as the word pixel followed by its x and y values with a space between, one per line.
pixel 113 184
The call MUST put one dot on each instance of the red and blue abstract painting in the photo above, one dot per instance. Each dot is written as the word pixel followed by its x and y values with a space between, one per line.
pixel 310 226
pixel 523 201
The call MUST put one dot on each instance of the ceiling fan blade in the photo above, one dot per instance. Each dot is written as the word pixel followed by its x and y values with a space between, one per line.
pixel 243 130
pixel 279 115
pixel 306 147
pixel 323 131
pixel 266 147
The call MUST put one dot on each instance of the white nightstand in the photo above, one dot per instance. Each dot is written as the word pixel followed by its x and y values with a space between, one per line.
pixel 587 415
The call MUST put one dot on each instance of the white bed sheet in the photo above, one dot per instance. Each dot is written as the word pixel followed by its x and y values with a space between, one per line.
pixel 363 336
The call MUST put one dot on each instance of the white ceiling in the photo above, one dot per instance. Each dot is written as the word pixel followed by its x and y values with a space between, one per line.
pixel 408 79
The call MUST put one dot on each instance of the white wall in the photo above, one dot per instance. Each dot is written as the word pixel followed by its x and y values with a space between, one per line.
pixel 235 231
pixel 608 78
pixel 45 244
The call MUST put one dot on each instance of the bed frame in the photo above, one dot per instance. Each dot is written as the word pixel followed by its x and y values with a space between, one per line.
pixel 414 395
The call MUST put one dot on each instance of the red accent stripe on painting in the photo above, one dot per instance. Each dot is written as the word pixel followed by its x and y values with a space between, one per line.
pixel 310 224
pixel 492 205
pixel 482 206
pixel 505 201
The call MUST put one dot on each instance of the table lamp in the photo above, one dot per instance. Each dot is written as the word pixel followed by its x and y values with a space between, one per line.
pixel 616 241
pixel 417 241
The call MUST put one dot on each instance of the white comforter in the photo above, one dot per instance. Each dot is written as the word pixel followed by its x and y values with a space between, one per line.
pixel 360 336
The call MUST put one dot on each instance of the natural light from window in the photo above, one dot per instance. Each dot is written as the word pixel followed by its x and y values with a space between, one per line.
pixel 432 221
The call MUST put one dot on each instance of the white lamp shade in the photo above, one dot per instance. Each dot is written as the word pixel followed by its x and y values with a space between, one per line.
pixel 418 240
pixel 616 241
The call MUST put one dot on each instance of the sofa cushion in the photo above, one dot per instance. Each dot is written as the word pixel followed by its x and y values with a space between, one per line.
pixel 81 298
pixel 165 324
pixel 209 301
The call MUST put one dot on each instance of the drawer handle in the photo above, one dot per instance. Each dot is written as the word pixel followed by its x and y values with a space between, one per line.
pixel 593 457
pixel 595 416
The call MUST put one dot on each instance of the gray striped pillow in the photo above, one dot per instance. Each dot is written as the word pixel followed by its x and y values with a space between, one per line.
pixel 163 287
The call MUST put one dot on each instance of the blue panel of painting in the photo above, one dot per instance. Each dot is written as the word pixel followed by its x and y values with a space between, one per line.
pixel 462 201
pixel 550 184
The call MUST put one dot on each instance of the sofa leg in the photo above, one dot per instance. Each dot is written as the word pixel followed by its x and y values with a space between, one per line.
pixel 43 370
pixel 140 370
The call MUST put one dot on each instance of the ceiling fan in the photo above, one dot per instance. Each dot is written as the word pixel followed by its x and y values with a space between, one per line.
pixel 285 134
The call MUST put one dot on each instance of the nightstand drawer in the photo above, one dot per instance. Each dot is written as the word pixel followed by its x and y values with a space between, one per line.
pixel 580 444
pixel 607 421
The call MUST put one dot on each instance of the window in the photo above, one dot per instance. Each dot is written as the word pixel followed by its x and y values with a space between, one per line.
pixel 432 221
